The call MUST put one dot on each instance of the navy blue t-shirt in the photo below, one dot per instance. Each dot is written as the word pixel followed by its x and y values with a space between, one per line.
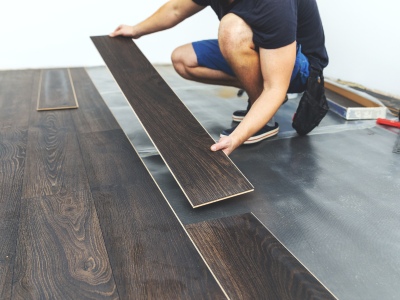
pixel 278 23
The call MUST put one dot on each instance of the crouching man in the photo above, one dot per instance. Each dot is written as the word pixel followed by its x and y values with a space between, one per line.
pixel 264 47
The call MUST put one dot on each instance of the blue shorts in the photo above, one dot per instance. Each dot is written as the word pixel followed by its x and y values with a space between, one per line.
pixel 209 55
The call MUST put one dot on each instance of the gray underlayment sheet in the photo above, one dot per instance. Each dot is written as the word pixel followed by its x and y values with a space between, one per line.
pixel 332 198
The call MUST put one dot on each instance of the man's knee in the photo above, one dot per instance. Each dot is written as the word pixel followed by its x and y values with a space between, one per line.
pixel 234 35
pixel 182 58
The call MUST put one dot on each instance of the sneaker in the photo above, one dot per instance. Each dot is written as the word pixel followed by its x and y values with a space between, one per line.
pixel 239 115
pixel 262 134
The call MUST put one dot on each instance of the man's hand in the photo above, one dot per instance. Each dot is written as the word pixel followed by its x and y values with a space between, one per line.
pixel 170 14
pixel 226 144
pixel 125 30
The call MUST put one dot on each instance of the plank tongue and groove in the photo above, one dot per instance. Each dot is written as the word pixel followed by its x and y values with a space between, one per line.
pixel 250 263
pixel 203 175
pixel 56 90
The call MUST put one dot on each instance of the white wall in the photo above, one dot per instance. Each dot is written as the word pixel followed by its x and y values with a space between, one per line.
pixel 363 42
pixel 362 36
pixel 45 33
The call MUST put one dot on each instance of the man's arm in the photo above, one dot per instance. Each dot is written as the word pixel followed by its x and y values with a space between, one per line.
pixel 167 16
pixel 276 67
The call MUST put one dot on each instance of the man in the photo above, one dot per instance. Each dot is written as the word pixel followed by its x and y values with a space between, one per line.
pixel 264 47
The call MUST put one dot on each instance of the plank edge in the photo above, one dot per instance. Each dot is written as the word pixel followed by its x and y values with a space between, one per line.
pixel 292 254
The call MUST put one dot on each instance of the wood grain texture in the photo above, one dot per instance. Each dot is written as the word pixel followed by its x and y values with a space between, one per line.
pixel 61 252
pixel 250 263
pixel 93 114
pixel 56 90
pixel 150 253
pixel 109 158
pixel 12 162
pixel 203 175
pixel 16 91
pixel 53 161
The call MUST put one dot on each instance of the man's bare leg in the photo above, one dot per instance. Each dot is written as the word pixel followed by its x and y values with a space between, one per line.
pixel 235 39
pixel 185 63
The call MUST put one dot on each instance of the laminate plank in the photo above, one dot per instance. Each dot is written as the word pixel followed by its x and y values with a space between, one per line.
pixel 93 114
pixel 56 90
pixel 150 253
pixel 16 90
pixel 12 163
pixel 341 100
pixel 250 263
pixel 109 159
pixel 203 175
pixel 61 252
pixel 53 161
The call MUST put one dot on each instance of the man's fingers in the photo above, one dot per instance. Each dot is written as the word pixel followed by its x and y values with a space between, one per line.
pixel 215 147
pixel 116 31
pixel 218 146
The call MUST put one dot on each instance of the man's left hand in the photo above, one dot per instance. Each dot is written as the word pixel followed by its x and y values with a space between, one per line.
pixel 226 144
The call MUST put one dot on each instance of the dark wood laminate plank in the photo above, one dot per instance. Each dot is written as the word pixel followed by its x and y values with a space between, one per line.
pixel 53 161
pixel 61 252
pixel 16 90
pixel 250 263
pixel 93 113
pixel 12 163
pixel 203 175
pixel 109 159
pixel 56 90
pixel 150 253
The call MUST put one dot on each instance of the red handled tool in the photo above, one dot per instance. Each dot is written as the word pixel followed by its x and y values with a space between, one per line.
pixel 388 122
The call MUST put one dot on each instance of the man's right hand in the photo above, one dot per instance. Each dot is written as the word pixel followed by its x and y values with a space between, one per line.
pixel 125 30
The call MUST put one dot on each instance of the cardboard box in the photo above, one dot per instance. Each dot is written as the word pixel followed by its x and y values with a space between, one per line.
pixel 352 104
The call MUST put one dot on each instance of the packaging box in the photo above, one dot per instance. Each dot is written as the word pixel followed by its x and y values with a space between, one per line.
pixel 352 104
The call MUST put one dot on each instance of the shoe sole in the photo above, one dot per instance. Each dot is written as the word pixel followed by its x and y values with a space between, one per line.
pixel 259 138
pixel 237 119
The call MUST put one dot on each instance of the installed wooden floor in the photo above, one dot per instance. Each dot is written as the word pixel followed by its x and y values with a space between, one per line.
pixel 203 175
pixel 250 263
pixel 80 215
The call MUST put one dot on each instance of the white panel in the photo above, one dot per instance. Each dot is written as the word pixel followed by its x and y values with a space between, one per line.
pixel 362 39
pixel 44 33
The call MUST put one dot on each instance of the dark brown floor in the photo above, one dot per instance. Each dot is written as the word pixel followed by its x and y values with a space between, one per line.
pixel 330 197
pixel 80 215
pixel 251 263
pixel 204 176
